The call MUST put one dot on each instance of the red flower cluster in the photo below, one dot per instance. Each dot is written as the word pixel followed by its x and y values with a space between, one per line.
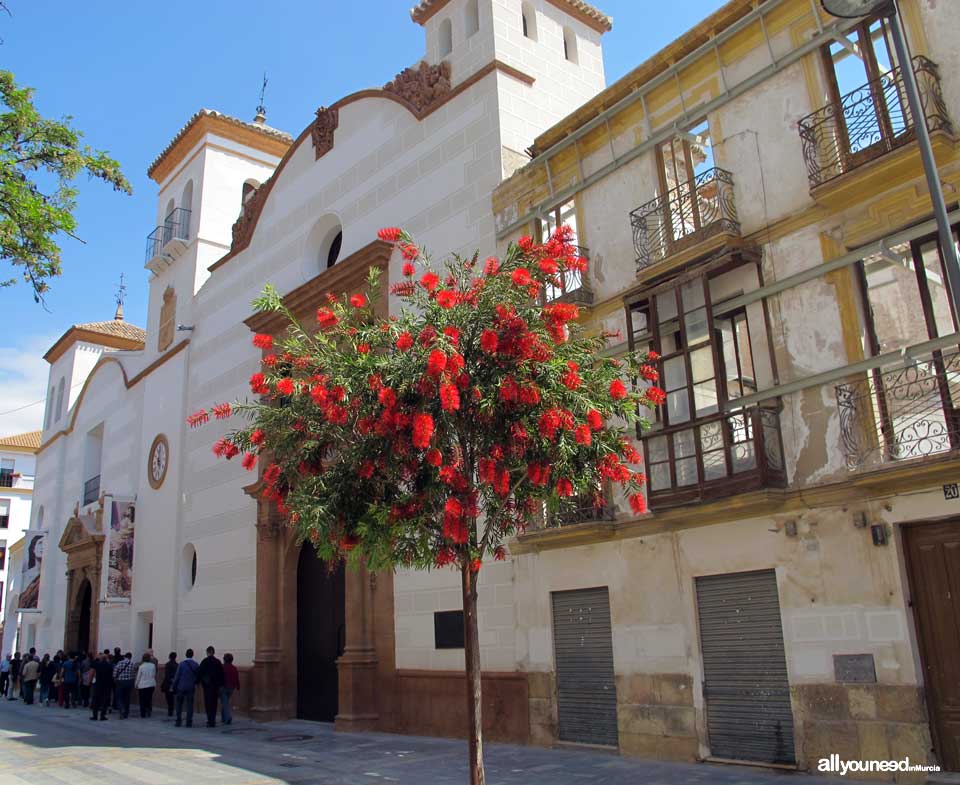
pixel 656 396
pixel 327 318
pixel 422 430
pixel 390 234
pixel 404 341
pixel 262 341
pixel 358 300
pixel 449 397
pixel 222 411
pixel 198 418
pixel 617 391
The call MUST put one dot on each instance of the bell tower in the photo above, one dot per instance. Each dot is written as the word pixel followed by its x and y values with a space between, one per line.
pixel 553 47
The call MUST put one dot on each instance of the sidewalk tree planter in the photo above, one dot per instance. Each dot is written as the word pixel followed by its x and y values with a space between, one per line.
pixel 430 438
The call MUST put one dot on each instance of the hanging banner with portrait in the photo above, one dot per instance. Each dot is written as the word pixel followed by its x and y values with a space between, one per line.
pixel 120 563
pixel 33 541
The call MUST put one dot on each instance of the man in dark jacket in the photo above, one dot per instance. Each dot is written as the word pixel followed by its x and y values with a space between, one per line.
pixel 211 677
pixel 14 689
pixel 184 685
pixel 102 686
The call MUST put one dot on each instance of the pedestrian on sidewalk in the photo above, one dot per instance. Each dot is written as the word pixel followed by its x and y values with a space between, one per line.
pixel 70 675
pixel 47 672
pixel 211 677
pixel 169 671
pixel 123 677
pixel 28 678
pixel 5 675
pixel 146 682
pixel 231 684
pixel 102 686
pixel 15 666
pixel 185 685
pixel 86 678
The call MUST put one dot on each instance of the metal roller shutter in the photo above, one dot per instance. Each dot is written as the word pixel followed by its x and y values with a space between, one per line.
pixel 583 645
pixel 744 667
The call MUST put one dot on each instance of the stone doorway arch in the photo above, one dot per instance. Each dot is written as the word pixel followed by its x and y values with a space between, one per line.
pixel 82 541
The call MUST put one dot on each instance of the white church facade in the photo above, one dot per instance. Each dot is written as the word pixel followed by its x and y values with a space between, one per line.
pixel 240 205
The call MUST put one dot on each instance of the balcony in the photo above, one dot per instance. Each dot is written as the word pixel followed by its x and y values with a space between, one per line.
pixel 168 240
pixel 714 457
pixel 680 222
pixel 91 490
pixel 867 125
pixel 580 509
pixel 573 287
pixel 901 414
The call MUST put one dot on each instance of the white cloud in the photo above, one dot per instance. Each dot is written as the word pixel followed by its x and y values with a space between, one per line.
pixel 23 383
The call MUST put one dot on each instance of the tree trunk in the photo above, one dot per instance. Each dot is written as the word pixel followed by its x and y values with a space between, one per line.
pixel 471 650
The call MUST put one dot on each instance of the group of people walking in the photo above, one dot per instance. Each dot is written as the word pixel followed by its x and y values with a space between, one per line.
pixel 104 682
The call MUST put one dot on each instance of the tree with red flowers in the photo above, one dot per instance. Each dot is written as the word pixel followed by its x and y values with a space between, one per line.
pixel 430 438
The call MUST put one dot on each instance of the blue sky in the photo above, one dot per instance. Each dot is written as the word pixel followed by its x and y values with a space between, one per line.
pixel 131 73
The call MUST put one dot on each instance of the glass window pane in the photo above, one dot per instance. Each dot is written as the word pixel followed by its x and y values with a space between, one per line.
pixel 659 476
pixel 669 340
pixel 714 465
pixel 666 306
pixel 640 320
pixel 683 444
pixel 678 406
pixel 687 471
pixel 937 285
pixel 657 449
pixel 745 351
pixel 701 364
pixel 696 325
pixel 674 373
pixel 692 294
pixel 743 456
pixel 711 436
pixel 705 398
pixel 895 303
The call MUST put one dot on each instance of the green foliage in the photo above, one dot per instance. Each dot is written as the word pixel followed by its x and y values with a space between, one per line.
pixel 35 152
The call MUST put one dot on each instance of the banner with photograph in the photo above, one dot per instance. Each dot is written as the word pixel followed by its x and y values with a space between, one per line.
pixel 34 541
pixel 120 563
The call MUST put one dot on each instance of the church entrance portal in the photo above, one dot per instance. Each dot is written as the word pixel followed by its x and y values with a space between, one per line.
pixel 321 635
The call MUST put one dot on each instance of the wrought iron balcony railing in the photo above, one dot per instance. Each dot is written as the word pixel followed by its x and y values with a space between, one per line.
pixel 574 286
pixel 714 457
pixel 175 226
pixel 869 122
pixel 581 509
pixel 902 413
pixel 684 216
pixel 91 490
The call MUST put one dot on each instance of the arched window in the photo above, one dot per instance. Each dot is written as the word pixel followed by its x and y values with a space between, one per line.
pixel 529 20
pixel 182 219
pixel 570 45
pixel 446 37
pixel 48 418
pixel 334 253
pixel 472 18
pixel 59 409
pixel 323 246
pixel 188 568
pixel 171 206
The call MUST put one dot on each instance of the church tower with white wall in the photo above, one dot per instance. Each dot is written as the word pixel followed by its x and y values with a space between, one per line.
pixel 550 49
pixel 206 173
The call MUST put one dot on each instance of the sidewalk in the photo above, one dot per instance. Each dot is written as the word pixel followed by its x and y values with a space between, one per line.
pixel 41 746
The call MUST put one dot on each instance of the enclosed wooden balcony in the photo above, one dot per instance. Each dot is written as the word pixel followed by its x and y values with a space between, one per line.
pixel 714 457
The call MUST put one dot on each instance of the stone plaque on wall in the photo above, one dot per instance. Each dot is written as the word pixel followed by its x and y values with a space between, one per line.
pixel 854 669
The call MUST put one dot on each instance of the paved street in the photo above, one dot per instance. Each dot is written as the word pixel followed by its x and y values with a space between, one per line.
pixel 41 746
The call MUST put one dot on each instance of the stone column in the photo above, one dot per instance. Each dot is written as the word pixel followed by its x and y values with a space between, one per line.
pixel 267 700
pixel 357 666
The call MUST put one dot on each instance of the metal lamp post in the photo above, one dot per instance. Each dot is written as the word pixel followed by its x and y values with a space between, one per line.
pixel 851 9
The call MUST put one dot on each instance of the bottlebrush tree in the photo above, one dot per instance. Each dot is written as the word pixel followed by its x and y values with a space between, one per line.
pixel 429 438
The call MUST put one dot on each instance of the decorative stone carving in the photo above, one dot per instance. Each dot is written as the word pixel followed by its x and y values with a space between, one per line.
pixel 323 128
pixel 421 85
pixel 168 319
pixel 243 226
